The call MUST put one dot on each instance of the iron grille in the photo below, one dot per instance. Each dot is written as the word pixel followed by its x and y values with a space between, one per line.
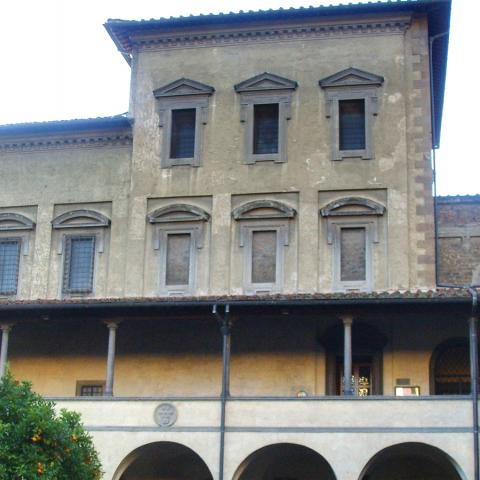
pixel 79 264
pixel 352 124
pixel 9 264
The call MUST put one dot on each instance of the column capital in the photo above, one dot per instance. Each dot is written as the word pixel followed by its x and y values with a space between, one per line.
pixel 347 319
pixel 112 324
pixel 6 327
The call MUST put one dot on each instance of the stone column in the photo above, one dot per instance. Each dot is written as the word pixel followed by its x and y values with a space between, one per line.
pixel 347 354
pixel 112 334
pixel 5 328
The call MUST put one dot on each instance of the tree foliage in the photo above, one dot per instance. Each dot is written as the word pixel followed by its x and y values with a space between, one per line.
pixel 37 443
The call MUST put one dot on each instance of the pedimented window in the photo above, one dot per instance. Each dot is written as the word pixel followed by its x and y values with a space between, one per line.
pixel 263 236
pixel 265 109
pixel 183 111
pixel 351 105
pixel 178 236
pixel 352 229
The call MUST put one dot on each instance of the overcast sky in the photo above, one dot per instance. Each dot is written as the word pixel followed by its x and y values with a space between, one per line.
pixel 59 63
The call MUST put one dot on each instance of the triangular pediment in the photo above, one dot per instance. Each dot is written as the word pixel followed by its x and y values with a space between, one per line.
pixel 351 77
pixel 265 81
pixel 183 87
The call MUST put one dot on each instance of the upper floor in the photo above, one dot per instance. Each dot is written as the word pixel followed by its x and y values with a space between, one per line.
pixel 262 153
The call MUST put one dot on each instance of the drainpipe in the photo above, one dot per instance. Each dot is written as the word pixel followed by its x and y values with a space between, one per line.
pixel 225 329
pixel 473 319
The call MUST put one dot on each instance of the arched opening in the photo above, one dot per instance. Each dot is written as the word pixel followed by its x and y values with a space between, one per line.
pixel 450 368
pixel 162 461
pixel 284 461
pixel 411 461
pixel 367 359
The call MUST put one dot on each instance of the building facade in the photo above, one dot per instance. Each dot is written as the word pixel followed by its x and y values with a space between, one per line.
pixel 199 276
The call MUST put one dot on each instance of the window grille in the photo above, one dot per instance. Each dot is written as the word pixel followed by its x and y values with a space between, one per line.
pixel 352 124
pixel 182 140
pixel 91 390
pixel 79 264
pixel 9 263
pixel 452 370
pixel 265 128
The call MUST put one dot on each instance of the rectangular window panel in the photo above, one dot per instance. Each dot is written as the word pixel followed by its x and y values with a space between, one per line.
pixel 265 128
pixel 352 124
pixel 79 263
pixel 178 259
pixel 264 257
pixel 91 390
pixel 353 254
pixel 9 260
pixel 182 140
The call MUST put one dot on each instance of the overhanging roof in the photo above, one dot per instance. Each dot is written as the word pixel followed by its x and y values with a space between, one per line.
pixel 438 12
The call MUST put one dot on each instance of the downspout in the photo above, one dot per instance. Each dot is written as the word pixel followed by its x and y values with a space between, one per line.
pixel 473 319
pixel 225 328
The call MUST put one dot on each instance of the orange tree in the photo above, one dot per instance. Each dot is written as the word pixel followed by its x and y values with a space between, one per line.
pixel 37 443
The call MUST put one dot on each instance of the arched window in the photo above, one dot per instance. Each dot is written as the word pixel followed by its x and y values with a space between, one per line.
pixel 451 368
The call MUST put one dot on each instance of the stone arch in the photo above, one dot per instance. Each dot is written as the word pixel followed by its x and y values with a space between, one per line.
pixel 412 461
pixel 284 460
pixel 163 460
pixel 450 368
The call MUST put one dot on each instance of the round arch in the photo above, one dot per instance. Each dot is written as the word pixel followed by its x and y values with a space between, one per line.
pixel 412 461
pixel 450 368
pixel 284 461
pixel 163 460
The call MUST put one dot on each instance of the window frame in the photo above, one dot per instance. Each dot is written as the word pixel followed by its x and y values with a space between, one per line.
pixel 18 227
pixel 66 269
pixel 351 84
pixel 180 95
pixel 89 383
pixel 263 89
pixel 19 240
pixel 178 219
pixel 247 231
pixel 77 224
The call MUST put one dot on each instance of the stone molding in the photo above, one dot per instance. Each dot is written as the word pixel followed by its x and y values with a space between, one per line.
pixel 80 219
pixel 10 221
pixel 269 209
pixel 300 32
pixel 25 145
pixel 334 208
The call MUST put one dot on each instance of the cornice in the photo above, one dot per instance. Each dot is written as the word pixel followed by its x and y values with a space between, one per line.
pixel 271 34
pixel 59 143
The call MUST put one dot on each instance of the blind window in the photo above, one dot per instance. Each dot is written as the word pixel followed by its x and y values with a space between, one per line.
pixel 79 263
pixel 9 260
pixel 352 124
pixel 352 254
pixel 182 139
pixel 264 256
pixel 265 128
pixel 178 259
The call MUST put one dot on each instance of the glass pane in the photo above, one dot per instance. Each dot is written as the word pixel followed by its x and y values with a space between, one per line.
pixel 265 128
pixel 182 141
pixel 352 254
pixel 352 124
pixel 80 264
pixel 178 259
pixel 264 257
pixel 9 258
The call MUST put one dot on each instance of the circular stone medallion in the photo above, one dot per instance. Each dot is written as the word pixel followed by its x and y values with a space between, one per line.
pixel 165 415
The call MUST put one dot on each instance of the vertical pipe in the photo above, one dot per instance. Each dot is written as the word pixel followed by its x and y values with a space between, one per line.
pixel 112 332
pixel 5 328
pixel 225 328
pixel 347 355
pixel 473 336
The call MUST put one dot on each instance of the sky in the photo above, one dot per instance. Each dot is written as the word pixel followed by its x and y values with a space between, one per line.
pixel 59 63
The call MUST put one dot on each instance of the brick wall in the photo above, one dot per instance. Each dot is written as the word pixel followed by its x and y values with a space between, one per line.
pixel 459 239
